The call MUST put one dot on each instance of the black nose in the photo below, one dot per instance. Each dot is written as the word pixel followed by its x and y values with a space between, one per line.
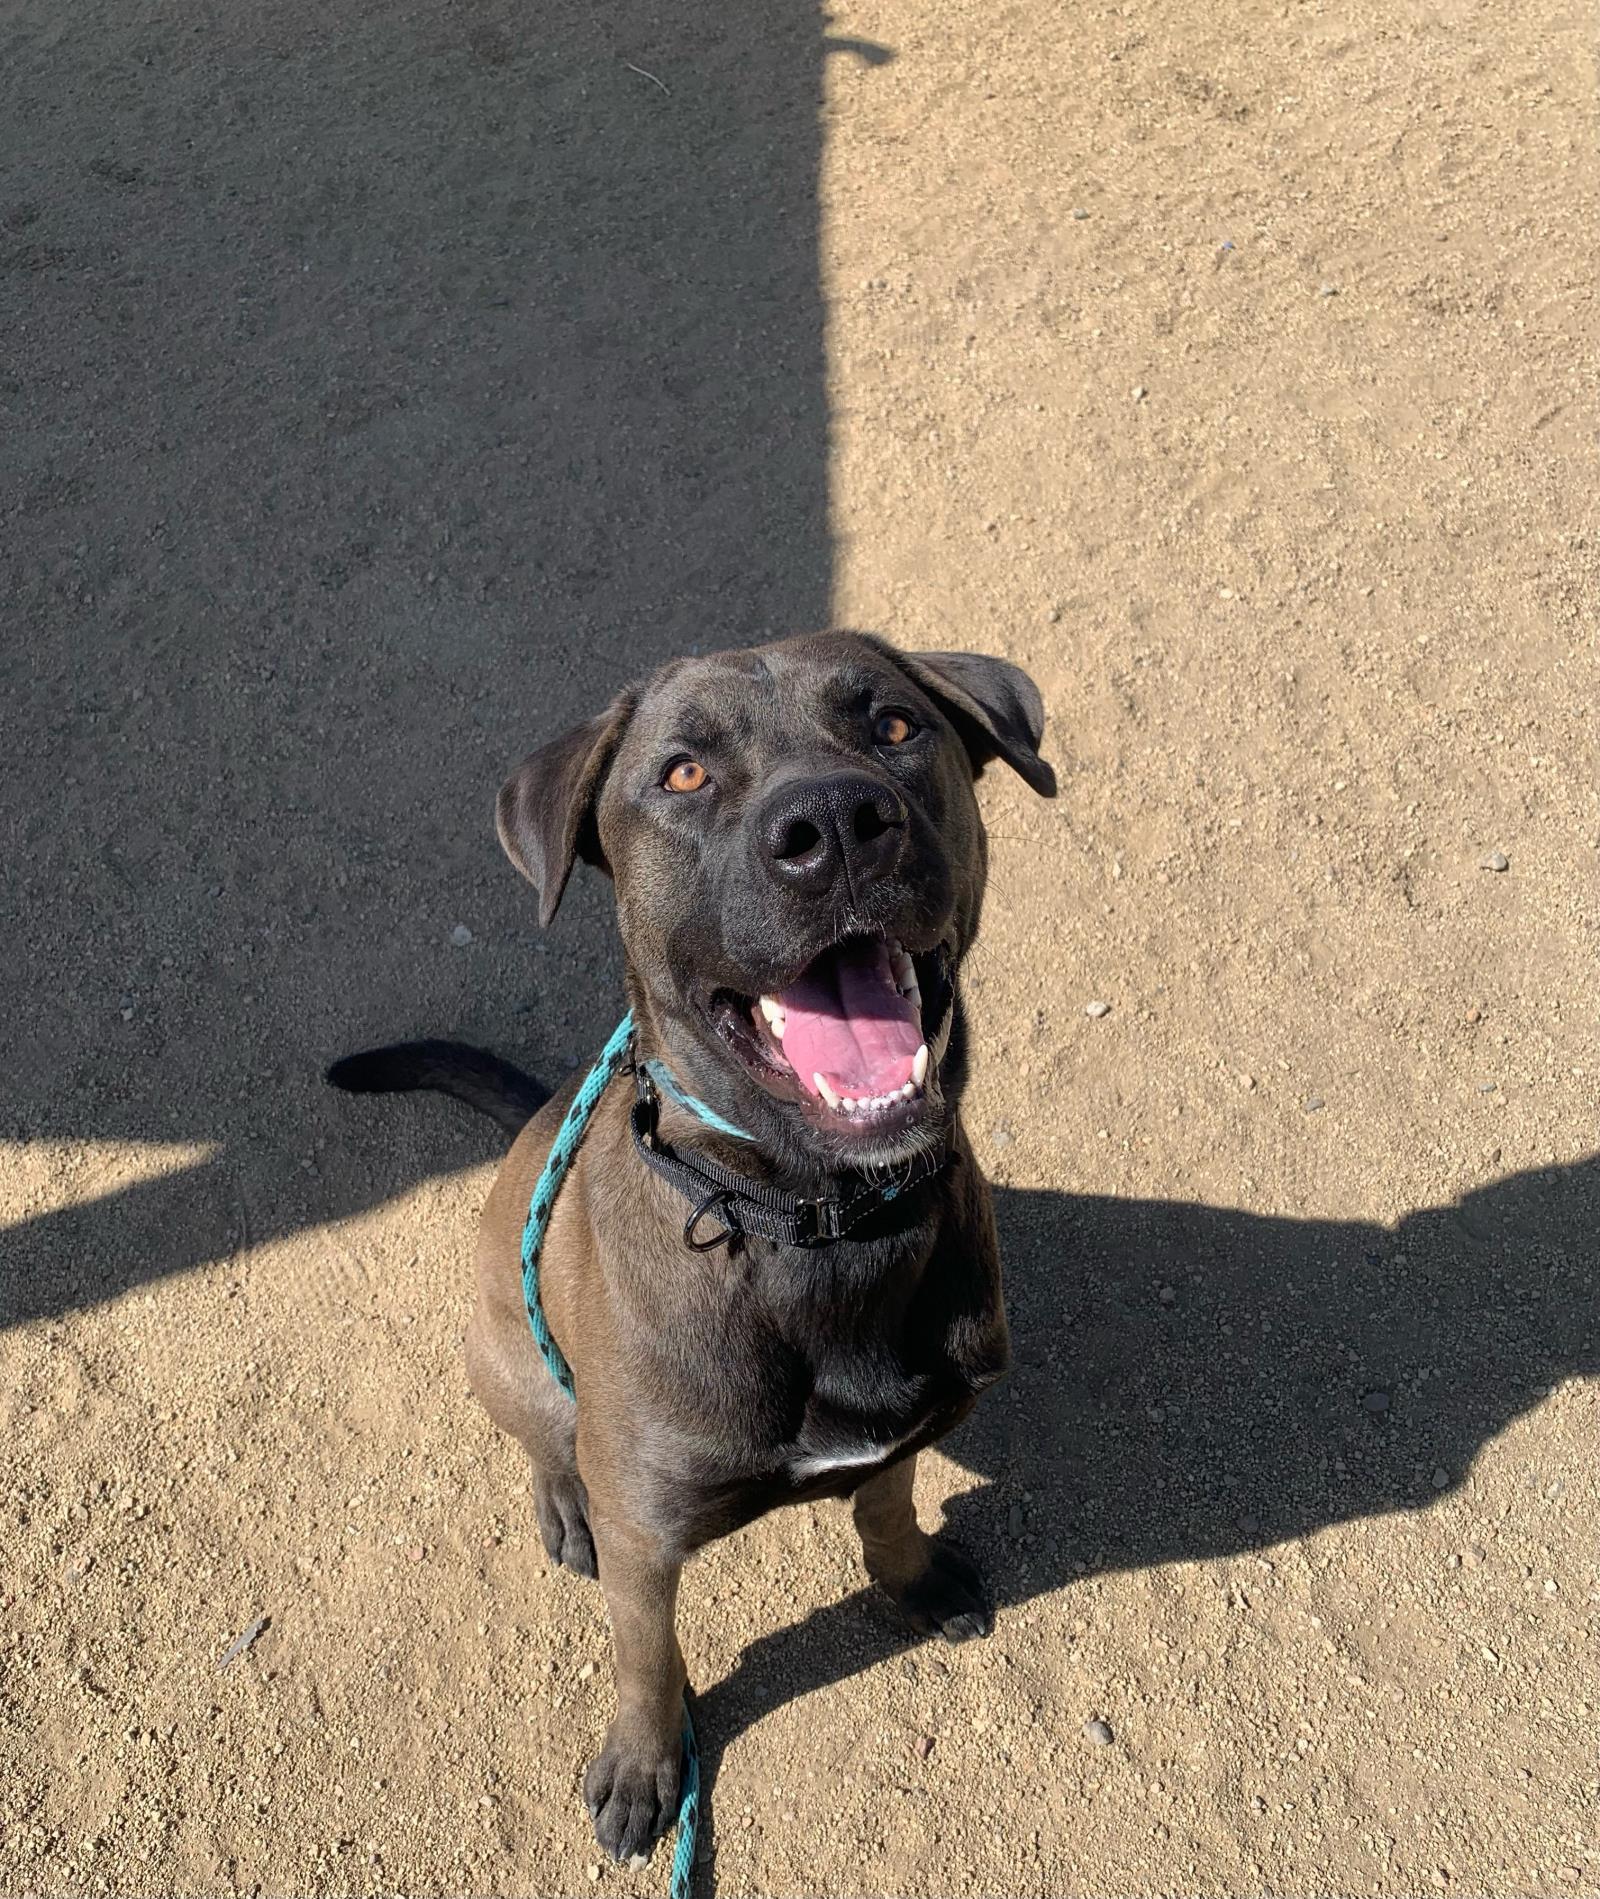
pixel 809 832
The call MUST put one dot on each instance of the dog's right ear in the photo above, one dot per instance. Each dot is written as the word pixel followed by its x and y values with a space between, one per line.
pixel 545 813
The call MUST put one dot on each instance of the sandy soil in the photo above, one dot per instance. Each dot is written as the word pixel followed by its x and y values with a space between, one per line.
pixel 384 383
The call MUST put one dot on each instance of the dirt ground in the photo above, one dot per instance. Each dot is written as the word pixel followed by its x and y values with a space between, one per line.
pixel 383 383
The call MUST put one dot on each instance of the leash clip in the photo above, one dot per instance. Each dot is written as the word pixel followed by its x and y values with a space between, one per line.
pixel 818 1222
pixel 646 1105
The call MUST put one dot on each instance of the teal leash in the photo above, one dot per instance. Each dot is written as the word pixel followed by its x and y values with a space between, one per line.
pixel 614 1058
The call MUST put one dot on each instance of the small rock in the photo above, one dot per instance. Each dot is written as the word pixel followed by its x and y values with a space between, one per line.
pixel 1486 1087
pixel 1079 214
pixel 1139 392
pixel 1096 1009
pixel 1375 1402
pixel 1327 290
pixel 586 1673
pixel 1474 1014
pixel 1098 1733
pixel 1247 1082
pixel 1168 1295
pixel 922 1746
pixel 1314 1104
pixel 1472 1557
pixel 908 1668
pixel 594 1875
pixel 1496 860
pixel 461 936
pixel 1441 1477
pixel 1002 1136
pixel 416 1552
pixel 1014 1519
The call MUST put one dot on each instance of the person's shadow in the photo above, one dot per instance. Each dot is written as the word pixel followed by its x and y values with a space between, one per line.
pixel 1194 1381
pixel 384 387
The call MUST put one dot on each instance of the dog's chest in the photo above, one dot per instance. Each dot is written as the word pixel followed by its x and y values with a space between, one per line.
pixel 854 1425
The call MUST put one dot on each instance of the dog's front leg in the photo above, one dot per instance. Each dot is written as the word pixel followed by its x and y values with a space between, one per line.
pixel 632 1789
pixel 935 1587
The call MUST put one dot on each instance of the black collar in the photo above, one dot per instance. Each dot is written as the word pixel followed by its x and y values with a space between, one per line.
pixel 742 1205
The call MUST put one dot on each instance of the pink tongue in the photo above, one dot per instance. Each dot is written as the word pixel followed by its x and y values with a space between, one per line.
pixel 845 1020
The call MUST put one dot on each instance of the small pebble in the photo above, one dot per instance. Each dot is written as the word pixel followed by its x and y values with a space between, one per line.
pixel 1080 214
pixel 1097 1009
pixel 586 1673
pixel 1496 860
pixel 416 1552
pixel 1472 1557
pixel 1014 1519
pixel 1327 290
pixel 1167 1295
pixel 1441 1477
pixel 922 1746
pixel 1002 1136
pixel 1486 1087
pixel 1097 1733
pixel 1139 392
pixel 594 1875
pixel 1375 1401
pixel 1474 1015
pixel 461 936
pixel 1315 1104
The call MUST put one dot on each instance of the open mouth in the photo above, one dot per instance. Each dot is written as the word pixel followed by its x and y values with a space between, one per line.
pixel 852 1037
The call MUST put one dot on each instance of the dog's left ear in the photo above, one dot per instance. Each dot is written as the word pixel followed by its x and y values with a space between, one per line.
pixel 545 811
pixel 995 707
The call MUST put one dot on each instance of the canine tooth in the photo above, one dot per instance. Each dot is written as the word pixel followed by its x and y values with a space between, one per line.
pixel 919 1066
pixel 906 1092
pixel 774 1012
pixel 826 1092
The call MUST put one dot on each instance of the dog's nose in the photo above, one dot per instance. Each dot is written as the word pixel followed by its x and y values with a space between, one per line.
pixel 811 831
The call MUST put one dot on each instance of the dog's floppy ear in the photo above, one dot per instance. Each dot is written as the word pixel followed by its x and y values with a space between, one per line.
pixel 545 811
pixel 995 707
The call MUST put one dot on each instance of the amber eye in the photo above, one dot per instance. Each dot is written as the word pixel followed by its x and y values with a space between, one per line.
pixel 688 774
pixel 892 728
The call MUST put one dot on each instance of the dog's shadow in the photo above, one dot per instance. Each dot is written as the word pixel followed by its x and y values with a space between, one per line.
pixel 1195 1381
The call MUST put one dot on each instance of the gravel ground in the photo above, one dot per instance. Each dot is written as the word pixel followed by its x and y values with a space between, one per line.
pixel 380 386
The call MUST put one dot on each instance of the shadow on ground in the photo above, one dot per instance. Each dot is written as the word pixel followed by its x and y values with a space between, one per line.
pixel 383 388
pixel 1300 1373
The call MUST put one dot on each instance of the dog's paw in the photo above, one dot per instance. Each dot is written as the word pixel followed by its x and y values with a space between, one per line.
pixel 562 1504
pixel 631 1791
pixel 949 1597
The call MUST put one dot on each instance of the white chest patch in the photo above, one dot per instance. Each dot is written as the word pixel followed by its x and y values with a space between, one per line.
pixel 801 1468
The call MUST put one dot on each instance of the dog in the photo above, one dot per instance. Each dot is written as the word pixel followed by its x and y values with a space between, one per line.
pixel 799 867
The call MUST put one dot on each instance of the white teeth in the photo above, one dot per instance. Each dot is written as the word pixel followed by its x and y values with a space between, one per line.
pixel 773 1010
pixel 919 1066
pixel 906 1092
pixel 904 972
pixel 826 1092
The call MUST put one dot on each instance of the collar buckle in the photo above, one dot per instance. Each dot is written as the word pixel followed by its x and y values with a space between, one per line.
pixel 818 1222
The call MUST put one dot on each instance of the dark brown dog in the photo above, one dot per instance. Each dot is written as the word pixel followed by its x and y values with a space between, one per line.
pixel 799 867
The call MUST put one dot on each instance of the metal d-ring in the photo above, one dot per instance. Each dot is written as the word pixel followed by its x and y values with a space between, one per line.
pixel 725 1232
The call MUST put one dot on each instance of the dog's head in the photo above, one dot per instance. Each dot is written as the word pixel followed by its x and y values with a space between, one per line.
pixel 799 867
